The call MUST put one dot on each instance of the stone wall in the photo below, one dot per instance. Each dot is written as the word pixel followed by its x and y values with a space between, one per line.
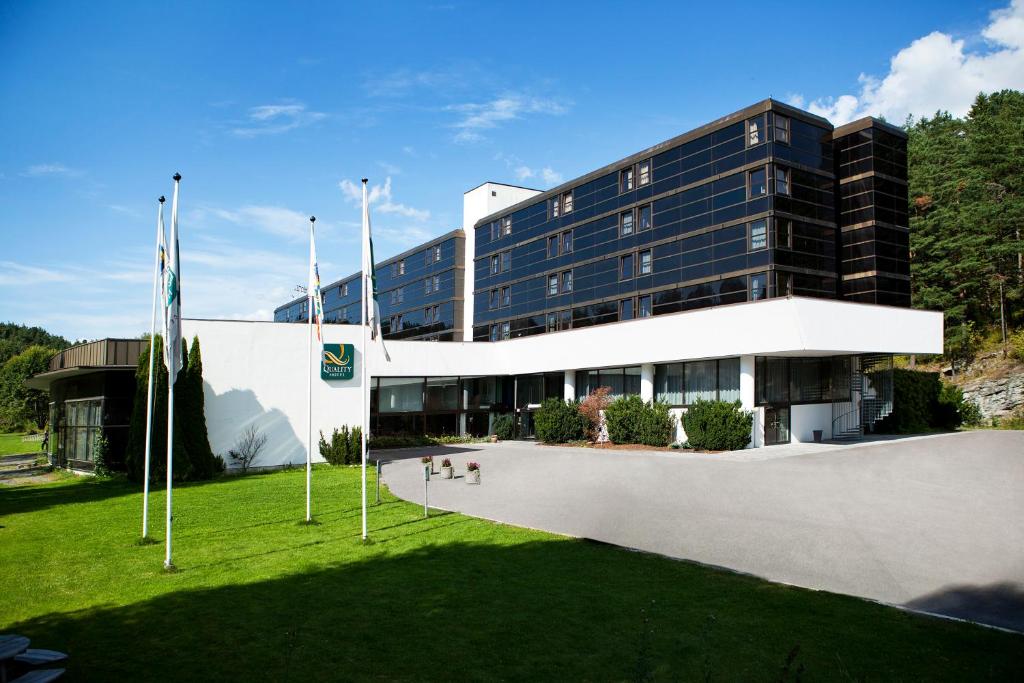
pixel 996 397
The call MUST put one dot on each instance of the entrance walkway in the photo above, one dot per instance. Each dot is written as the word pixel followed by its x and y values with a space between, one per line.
pixel 929 523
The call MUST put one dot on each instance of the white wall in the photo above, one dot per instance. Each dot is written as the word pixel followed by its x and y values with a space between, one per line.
pixel 804 419
pixel 479 202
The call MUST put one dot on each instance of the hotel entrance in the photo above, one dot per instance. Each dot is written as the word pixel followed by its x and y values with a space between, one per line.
pixel 776 425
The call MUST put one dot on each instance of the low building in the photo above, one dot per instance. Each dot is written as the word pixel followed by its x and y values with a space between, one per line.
pixel 91 387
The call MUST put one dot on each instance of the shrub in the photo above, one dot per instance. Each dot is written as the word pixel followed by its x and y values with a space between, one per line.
pixel 922 402
pixel 1017 344
pixel 591 408
pixel 504 427
pixel 717 426
pixel 631 420
pixel 559 421
pixel 345 447
pixel 101 468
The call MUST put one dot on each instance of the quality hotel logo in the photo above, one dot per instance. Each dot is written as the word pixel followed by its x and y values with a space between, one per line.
pixel 337 361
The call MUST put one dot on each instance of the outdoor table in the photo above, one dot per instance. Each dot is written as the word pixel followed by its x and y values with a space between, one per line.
pixel 10 647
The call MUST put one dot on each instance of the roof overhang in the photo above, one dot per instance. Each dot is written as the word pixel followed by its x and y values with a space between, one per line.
pixel 44 380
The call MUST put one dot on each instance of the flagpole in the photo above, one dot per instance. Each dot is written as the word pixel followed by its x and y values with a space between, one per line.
pixel 172 374
pixel 149 388
pixel 309 381
pixel 362 355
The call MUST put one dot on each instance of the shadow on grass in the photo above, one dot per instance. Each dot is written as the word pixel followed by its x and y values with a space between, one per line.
pixel 33 497
pixel 1000 604
pixel 534 610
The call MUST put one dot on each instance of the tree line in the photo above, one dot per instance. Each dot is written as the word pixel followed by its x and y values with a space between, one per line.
pixel 966 179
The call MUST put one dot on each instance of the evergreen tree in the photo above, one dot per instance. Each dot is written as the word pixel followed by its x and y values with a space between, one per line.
pixel 202 464
pixel 135 452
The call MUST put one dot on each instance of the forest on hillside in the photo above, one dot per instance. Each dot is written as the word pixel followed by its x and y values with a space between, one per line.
pixel 966 218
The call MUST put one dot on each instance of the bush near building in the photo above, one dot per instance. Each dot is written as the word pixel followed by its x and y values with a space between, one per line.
pixel 717 426
pixel 922 402
pixel 559 421
pixel 631 420
pixel 504 427
pixel 345 447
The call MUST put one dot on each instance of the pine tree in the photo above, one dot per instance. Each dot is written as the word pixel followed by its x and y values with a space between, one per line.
pixel 135 452
pixel 202 463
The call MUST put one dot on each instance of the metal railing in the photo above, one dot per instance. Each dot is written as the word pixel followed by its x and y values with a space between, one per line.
pixel 871 397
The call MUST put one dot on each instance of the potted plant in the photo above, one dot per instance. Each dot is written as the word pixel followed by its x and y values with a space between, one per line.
pixel 472 472
pixel 428 460
pixel 447 471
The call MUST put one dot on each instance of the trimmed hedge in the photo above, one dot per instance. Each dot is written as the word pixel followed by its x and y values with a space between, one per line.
pixel 922 402
pixel 717 426
pixel 559 421
pixel 504 427
pixel 630 420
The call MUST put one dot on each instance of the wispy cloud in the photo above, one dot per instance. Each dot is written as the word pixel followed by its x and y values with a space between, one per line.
pixel 480 116
pixel 380 196
pixel 273 119
pixel 401 82
pixel 935 72
pixel 51 169
pixel 273 220
pixel 390 169
pixel 547 175
pixel 19 275
pixel 125 210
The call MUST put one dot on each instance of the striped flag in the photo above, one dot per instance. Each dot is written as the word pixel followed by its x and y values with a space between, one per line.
pixel 172 296
pixel 315 299
pixel 371 316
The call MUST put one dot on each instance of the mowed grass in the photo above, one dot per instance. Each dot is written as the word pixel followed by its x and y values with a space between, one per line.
pixel 258 596
pixel 11 444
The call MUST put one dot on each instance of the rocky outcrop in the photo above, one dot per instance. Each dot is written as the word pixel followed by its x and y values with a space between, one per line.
pixel 996 397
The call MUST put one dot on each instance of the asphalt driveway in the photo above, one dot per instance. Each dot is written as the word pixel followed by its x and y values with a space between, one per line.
pixel 932 524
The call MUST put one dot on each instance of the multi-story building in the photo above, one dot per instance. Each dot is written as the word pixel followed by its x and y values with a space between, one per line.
pixel 762 258
pixel 420 293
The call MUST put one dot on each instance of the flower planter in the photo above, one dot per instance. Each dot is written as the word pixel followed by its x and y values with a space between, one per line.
pixel 447 472
pixel 473 477
pixel 494 438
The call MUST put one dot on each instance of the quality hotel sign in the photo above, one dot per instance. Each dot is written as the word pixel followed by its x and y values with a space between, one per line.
pixel 337 361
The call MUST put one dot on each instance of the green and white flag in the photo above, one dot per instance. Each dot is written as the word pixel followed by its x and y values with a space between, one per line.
pixel 371 316
pixel 172 297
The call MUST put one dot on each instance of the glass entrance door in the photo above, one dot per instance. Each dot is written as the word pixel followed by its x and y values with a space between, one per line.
pixel 776 425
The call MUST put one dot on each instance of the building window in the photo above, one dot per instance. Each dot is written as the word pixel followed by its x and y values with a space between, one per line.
pixel 494 333
pixel 552 246
pixel 781 180
pixel 552 324
pixel 626 309
pixel 758 235
pixel 700 381
pixel 344 289
pixel 626 180
pixel 781 129
pixel 506 330
pixel 552 284
pixel 567 281
pixel 394 269
pixel 401 267
pixel 426 315
pixel 426 285
pixel 506 261
pixel 437 314
pixel 758 286
pixel 398 323
pixel 668 383
pixel 755 131
pixel 783 233
pixel 506 226
pixel 645 262
pixel 625 266
pixel 394 297
pixel 567 242
pixel 401 294
pixel 437 283
pixel 645 217
pixel 506 296
pixel 643 307
pixel 783 283
pixel 644 174
pixel 567 202
pixel 555 205
pixel 757 183
pixel 626 223
pixel 565 320
pixel 492 302
pixel 495 265
pixel 344 313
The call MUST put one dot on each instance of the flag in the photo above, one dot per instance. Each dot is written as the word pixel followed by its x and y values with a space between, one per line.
pixel 161 248
pixel 315 300
pixel 172 297
pixel 371 316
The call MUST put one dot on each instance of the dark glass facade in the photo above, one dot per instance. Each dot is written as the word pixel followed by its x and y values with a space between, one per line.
pixel 739 210
pixel 419 291
pixel 871 165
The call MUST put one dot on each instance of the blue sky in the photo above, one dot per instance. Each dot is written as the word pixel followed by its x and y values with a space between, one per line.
pixel 273 112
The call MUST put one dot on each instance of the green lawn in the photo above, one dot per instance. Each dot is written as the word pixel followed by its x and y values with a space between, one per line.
pixel 260 597
pixel 11 444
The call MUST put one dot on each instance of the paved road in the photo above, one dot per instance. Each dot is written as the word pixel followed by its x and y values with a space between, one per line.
pixel 935 524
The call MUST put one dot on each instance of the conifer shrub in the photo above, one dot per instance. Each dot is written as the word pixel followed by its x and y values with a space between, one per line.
pixel 504 427
pixel 717 426
pixel 559 421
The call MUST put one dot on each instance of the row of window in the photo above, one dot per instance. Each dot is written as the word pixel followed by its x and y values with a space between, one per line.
pixel 431 255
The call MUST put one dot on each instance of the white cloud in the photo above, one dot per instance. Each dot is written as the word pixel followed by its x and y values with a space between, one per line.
pixel 272 119
pixel 18 275
pixel 390 169
pixel 380 195
pixel 935 72
pixel 274 220
pixel 54 169
pixel 547 175
pixel 478 116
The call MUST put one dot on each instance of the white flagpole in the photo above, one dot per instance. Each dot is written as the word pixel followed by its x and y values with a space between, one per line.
pixel 309 378
pixel 152 352
pixel 366 321
pixel 171 374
